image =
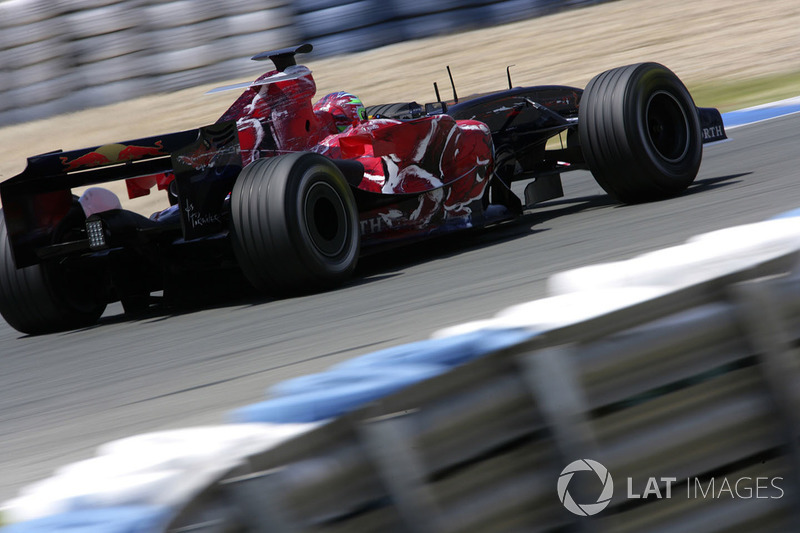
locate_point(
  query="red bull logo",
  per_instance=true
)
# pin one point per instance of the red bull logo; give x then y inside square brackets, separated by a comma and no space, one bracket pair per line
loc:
[109,154]
[199,159]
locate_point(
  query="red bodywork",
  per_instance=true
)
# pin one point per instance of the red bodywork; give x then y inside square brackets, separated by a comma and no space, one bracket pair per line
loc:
[437,167]
[420,176]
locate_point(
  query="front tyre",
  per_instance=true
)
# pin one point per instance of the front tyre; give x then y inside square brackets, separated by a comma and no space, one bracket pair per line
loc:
[45,298]
[294,224]
[640,133]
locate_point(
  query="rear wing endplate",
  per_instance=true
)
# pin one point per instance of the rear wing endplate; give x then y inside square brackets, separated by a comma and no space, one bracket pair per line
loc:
[203,162]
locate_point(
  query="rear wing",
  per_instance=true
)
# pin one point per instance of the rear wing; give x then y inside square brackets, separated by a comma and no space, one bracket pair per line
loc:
[203,163]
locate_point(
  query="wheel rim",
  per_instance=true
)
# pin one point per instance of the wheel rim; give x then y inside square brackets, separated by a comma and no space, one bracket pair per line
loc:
[667,126]
[326,219]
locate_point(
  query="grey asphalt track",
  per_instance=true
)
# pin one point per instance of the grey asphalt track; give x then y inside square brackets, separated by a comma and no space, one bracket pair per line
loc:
[62,395]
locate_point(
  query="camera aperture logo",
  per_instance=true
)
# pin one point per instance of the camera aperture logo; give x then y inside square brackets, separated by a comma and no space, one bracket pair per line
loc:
[743,487]
[585,509]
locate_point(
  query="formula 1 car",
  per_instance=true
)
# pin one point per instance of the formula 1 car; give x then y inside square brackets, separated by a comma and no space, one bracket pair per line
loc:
[291,193]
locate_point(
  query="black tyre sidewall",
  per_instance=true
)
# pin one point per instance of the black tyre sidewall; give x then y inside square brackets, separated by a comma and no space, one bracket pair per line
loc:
[646,83]
[614,136]
[397,111]
[308,176]
[272,238]
[42,298]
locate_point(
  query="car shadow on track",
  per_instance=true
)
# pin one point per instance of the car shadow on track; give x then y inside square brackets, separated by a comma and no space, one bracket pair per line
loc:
[234,291]
[379,265]
[707,184]
[390,263]
[553,209]
[549,210]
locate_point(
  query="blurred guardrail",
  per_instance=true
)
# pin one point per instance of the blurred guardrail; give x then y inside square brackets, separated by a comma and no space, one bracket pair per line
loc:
[73,54]
[686,371]
[62,56]
[337,27]
[675,370]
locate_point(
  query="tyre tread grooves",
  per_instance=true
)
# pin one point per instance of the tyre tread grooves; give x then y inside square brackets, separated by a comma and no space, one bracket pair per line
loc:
[610,131]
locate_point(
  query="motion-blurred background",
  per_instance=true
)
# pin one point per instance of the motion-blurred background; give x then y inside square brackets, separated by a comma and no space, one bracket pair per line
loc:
[64,55]
[65,396]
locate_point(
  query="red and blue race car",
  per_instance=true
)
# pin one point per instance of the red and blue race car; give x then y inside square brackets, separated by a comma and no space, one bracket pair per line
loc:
[291,192]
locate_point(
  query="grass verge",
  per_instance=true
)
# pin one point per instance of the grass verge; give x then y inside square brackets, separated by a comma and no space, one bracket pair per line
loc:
[730,95]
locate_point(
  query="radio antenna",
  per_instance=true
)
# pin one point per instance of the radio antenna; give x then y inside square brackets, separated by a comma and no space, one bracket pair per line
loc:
[436,90]
[508,74]
[453,84]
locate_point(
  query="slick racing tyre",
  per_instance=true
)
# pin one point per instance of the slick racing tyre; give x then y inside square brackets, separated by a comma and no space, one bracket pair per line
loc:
[294,224]
[639,133]
[44,298]
[406,111]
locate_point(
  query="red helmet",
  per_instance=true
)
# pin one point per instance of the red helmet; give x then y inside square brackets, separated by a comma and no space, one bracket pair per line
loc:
[346,109]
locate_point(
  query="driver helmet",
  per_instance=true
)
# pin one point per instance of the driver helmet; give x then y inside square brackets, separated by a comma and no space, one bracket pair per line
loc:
[346,109]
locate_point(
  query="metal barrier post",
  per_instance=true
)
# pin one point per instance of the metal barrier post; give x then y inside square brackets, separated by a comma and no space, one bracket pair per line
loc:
[387,443]
[767,329]
[258,495]
[555,384]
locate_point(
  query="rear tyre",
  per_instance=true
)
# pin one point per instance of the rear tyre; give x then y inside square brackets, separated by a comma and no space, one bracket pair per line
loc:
[639,133]
[406,111]
[294,224]
[44,298]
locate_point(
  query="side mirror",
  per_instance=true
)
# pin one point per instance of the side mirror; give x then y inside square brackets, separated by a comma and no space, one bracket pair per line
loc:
[436,108]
